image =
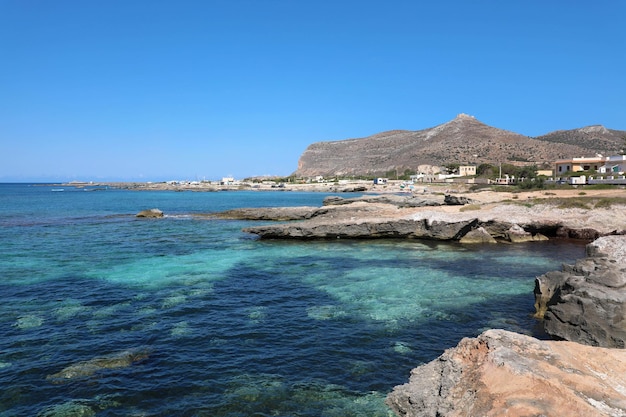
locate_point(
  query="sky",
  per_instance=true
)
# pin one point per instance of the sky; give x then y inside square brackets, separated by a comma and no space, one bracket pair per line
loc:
[154,90]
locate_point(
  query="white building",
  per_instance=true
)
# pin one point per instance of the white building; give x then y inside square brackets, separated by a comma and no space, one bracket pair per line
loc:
[613,165]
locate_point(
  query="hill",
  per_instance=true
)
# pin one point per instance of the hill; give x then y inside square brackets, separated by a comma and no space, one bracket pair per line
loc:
[462,140]
[597,138]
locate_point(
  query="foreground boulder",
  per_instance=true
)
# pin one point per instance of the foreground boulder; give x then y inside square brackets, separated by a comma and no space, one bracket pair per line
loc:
[501,373]
[586,302]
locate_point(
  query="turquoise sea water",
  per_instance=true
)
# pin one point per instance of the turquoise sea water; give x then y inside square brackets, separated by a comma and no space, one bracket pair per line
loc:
[104,314]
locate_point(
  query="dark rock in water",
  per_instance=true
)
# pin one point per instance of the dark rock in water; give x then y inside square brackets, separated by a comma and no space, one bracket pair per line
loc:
[84,369]
[152,213]
[585,302]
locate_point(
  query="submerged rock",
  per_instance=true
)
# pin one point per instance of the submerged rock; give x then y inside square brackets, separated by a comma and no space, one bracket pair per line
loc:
[585,302]
[69,409]
[84,369]
[78,408]
[501,373]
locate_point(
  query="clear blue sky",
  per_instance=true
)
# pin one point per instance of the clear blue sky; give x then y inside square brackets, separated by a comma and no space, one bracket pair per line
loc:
[184,89]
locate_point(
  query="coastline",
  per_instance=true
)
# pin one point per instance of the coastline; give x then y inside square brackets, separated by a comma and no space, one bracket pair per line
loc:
[392,187]
[522,209]
[582,305]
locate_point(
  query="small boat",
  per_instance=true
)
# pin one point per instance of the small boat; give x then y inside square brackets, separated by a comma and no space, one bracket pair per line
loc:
[58,189]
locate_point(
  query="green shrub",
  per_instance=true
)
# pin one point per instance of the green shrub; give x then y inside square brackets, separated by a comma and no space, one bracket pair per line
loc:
[608,202]
[565,203]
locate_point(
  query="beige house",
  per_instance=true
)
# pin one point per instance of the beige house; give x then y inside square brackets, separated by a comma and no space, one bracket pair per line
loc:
[578,165]
[467,170]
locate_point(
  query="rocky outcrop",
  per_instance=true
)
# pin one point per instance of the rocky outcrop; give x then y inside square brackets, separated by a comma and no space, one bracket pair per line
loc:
[517,234]
[478,235]
[355,229]
[364,224]
[414,217]
[501,373]
[151,213]
[268,213]
[586,302]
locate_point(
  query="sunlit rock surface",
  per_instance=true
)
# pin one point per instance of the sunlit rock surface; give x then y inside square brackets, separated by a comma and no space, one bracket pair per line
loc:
[501,373]
[415,217]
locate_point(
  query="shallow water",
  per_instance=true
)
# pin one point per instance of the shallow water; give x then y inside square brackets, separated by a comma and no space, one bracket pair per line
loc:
[106,314]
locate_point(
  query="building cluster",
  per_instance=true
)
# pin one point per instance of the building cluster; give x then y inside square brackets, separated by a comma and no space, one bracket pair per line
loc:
[596,170]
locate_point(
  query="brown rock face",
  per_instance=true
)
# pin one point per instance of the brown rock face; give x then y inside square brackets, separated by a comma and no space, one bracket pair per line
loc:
[501,373]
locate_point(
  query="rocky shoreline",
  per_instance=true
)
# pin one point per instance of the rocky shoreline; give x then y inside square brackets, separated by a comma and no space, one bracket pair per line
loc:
[582,373]
[443,217]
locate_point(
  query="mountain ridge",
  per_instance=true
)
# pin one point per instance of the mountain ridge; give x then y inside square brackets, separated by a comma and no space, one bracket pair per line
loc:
[463,140]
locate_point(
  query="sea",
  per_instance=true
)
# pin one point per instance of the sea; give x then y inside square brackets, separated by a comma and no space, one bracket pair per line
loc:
[106,314]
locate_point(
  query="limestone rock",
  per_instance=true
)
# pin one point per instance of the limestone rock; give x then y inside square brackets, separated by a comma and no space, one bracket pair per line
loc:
[355,229]
[392,199]
[501,373]
[586,302]
[478,235]
[269,213]
[151,213]
[517,234]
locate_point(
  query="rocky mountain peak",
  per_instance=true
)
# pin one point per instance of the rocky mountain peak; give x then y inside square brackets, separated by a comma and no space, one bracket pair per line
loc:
[463,116]
[595,129]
